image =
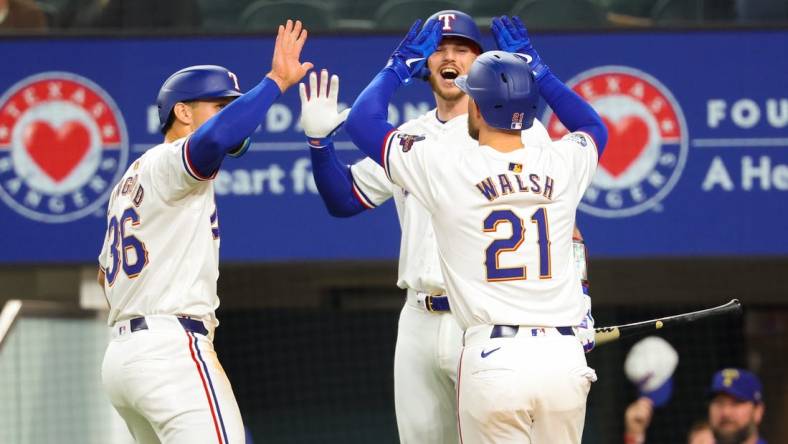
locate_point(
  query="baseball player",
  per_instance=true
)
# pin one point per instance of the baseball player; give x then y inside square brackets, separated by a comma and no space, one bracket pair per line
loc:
[503,216]
[159,262]
[429,339]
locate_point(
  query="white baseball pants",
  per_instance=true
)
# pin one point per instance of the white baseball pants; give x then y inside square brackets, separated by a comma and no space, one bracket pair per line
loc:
[169,386]
[425,373]
[527,389]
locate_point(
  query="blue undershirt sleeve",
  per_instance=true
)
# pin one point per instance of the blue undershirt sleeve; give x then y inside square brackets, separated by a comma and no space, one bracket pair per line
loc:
[367,123]
[574,112]
[334,182]
[230,127]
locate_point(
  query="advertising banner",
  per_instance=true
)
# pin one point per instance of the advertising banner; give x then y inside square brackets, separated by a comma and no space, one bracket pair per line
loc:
[696,164]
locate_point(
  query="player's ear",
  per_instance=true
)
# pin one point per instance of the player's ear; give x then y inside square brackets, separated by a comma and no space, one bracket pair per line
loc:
[182,113]
[758,412]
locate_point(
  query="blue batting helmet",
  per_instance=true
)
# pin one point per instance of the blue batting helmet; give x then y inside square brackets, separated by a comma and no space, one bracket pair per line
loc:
[458,24]
[195,83]
[504,89]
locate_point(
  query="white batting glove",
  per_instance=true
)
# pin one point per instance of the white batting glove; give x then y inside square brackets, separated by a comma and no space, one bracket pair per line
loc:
[585,331]
[319,116]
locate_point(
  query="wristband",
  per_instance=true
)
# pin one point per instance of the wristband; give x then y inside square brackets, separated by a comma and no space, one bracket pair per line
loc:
[402,72]
[318,142]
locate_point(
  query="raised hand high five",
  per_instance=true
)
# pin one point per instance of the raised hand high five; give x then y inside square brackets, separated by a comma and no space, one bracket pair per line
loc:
[511,36]
[286,67]
[412,53]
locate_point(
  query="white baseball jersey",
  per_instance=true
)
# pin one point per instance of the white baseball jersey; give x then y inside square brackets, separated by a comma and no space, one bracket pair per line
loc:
[503,223]
[419,266]
[161,250]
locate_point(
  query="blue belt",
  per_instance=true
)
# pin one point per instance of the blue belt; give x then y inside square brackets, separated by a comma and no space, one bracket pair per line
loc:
[191,325]
[437,303]
[510,331]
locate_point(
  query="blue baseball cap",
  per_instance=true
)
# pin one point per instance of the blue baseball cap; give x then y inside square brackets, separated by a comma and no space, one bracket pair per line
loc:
[739,383]
[661,395]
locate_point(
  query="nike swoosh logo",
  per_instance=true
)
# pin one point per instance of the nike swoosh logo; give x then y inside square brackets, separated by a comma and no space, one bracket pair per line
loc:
[486,354]
[412,61]
[527,58]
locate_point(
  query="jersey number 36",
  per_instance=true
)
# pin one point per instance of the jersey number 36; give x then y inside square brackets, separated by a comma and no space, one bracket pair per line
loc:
[134,256]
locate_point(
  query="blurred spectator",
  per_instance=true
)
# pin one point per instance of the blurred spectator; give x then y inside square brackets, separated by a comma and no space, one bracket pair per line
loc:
[142,14]
[637,418]
[700,433]
[735,412]
[736,407]
[21,14]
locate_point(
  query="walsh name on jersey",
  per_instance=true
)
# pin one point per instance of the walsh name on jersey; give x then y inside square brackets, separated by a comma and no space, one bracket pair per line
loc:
[509,183]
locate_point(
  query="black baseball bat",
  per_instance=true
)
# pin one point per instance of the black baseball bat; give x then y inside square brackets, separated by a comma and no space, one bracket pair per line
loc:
[603,335]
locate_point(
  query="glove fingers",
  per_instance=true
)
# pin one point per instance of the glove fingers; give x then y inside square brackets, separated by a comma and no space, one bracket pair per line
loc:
[414,30]
[422,36]
[509,25]
[497,32]
[333,90]
[495,25]
[437,32]
[323,84]
[429,33]
[520,27]
[312,85]
[505,33]
[518,23]
[302,93]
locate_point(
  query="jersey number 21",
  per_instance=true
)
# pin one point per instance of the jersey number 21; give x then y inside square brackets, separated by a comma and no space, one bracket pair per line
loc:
[494,271]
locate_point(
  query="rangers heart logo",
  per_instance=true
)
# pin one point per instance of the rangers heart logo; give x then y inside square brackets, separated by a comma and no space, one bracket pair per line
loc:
[647,140]
[63,145]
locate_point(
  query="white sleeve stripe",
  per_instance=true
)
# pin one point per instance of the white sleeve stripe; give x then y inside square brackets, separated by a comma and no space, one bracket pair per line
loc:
[387,151]
[187,164]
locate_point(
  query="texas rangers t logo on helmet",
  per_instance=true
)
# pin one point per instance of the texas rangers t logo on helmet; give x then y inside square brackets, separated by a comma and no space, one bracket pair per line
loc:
[63,144]
[447,20]
[647,140]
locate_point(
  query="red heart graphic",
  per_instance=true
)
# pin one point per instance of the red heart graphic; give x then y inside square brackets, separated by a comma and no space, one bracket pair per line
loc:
[57,151]
[627,138]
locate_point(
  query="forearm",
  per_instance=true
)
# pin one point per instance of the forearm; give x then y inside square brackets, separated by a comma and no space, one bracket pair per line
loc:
[574,112]
[367,123]
[229,128]
[334,182]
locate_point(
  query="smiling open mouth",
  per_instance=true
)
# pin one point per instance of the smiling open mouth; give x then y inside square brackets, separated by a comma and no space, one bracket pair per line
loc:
[449,73]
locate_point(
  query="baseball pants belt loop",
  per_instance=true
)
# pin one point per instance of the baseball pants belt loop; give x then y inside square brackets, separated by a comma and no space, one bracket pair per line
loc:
[189,324]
